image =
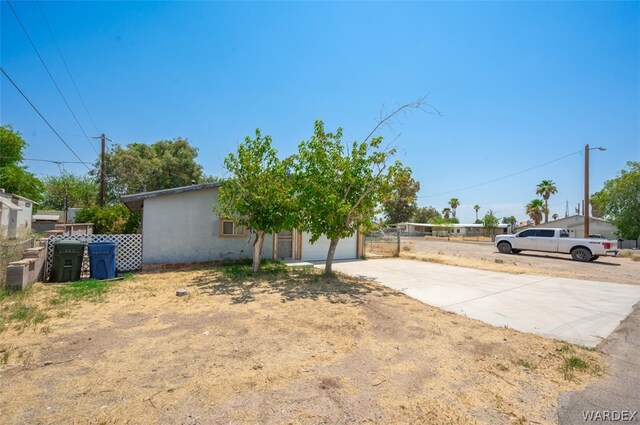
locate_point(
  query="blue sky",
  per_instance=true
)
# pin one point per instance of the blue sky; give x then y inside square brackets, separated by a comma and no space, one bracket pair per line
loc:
[518,84]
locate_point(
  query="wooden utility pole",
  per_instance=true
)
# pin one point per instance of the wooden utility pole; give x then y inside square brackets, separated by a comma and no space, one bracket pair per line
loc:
[102,182]
[585,210]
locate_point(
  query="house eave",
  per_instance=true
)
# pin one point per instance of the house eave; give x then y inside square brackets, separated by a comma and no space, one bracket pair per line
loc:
[135,201]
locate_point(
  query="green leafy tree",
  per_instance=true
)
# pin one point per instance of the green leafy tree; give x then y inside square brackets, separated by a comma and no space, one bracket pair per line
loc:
[619,201]
[401,205]
[259,192]
[476,207]
[425,215]
[536,209]
[555,216]
[446,212]
[70,191]
[546,188]
[490,222]
[444,220]
[339,187]
[112,219]
[15,178]
[140,167]
[454,203]
[511,221]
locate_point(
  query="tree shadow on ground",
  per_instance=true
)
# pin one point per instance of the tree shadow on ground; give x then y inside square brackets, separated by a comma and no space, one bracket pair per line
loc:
[238,282]
[554,257]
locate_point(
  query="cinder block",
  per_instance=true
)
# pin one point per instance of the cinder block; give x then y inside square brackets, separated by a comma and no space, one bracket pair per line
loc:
[18,274]
[33,252]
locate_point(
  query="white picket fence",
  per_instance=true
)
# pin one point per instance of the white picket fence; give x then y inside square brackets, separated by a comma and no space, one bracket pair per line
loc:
[128,250]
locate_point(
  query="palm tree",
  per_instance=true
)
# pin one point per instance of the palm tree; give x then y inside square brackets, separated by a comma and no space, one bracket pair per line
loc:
[546,188]
[454,204]
[477,208]
[445,213]
[555,216]
[536,209]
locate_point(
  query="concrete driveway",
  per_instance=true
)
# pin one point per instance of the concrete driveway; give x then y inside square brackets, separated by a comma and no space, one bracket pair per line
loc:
[577,311]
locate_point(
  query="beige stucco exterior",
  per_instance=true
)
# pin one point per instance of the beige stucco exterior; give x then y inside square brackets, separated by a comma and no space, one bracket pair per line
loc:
[183,227]
[575,225]
[15,216]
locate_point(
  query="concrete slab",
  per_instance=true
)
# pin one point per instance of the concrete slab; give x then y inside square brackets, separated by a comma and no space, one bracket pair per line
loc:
[577,311]
[299,264]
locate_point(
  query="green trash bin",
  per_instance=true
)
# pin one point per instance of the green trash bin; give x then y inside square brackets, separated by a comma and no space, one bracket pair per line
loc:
[67,261]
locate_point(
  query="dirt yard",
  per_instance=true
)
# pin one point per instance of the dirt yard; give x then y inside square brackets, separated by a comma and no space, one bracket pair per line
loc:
[287,347]
[485,256]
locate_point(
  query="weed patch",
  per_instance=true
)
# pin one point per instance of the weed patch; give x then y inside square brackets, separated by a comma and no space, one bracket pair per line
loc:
[572,363]
[85,290]
[526,363]
[23,315]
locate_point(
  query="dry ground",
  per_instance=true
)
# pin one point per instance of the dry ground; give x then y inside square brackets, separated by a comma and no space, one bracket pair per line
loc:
[485,256]
[287,347]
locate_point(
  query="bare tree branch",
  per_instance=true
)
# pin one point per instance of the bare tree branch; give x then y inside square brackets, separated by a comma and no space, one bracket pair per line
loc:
[420,104]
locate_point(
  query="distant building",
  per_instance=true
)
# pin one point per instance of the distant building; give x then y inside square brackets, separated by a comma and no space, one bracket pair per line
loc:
[428,229]
[15,215]
[575,225]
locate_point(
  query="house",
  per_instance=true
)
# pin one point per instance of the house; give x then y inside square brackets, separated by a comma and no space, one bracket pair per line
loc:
[15,215]
[180,225]
[575,225]
[450,229]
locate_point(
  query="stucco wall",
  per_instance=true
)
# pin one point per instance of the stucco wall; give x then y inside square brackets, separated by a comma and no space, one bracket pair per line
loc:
[24,218]
[575,225]
[183,227]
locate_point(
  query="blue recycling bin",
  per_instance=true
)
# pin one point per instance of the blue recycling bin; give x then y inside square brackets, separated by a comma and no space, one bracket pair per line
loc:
[102,260]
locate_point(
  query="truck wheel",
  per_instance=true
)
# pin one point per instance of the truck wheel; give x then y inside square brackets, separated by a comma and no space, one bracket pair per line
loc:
[504,247]
[594,258]
[581,254]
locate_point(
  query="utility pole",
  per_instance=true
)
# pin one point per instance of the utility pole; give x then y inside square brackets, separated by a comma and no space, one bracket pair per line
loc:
[585,205]
[103,140]
[102,182]
[585,210]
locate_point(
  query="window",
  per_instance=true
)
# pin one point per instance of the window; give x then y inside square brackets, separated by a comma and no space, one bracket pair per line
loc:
[546,233]
[564,234]
[230,229]
[527,233]
[457,230]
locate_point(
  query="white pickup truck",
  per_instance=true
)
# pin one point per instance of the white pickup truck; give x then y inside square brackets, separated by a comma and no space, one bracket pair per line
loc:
[556,240]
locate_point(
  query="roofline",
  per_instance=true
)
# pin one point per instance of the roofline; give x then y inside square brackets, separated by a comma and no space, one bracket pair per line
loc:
[134,201]
[451,224]
[579,215]
[13,195]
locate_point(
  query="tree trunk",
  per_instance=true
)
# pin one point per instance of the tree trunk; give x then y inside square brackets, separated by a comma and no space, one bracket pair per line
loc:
[546,212]
[330,254]
[257,250]
[397,242]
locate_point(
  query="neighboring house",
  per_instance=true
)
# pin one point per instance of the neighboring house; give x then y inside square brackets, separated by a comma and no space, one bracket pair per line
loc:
[47,220]
[450,229]
[575,225]
[15,215]
[523,224]
[179,225]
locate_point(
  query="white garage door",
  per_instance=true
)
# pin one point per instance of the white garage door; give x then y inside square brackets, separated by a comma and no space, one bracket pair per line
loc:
[346,249]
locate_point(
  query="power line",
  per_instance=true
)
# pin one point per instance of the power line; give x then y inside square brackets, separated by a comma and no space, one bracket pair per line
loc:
[500,178]
[43,118]
[50,75]
[52,161]
[67,67]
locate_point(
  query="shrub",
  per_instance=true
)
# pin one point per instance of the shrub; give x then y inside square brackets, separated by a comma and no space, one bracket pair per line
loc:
[113,219]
